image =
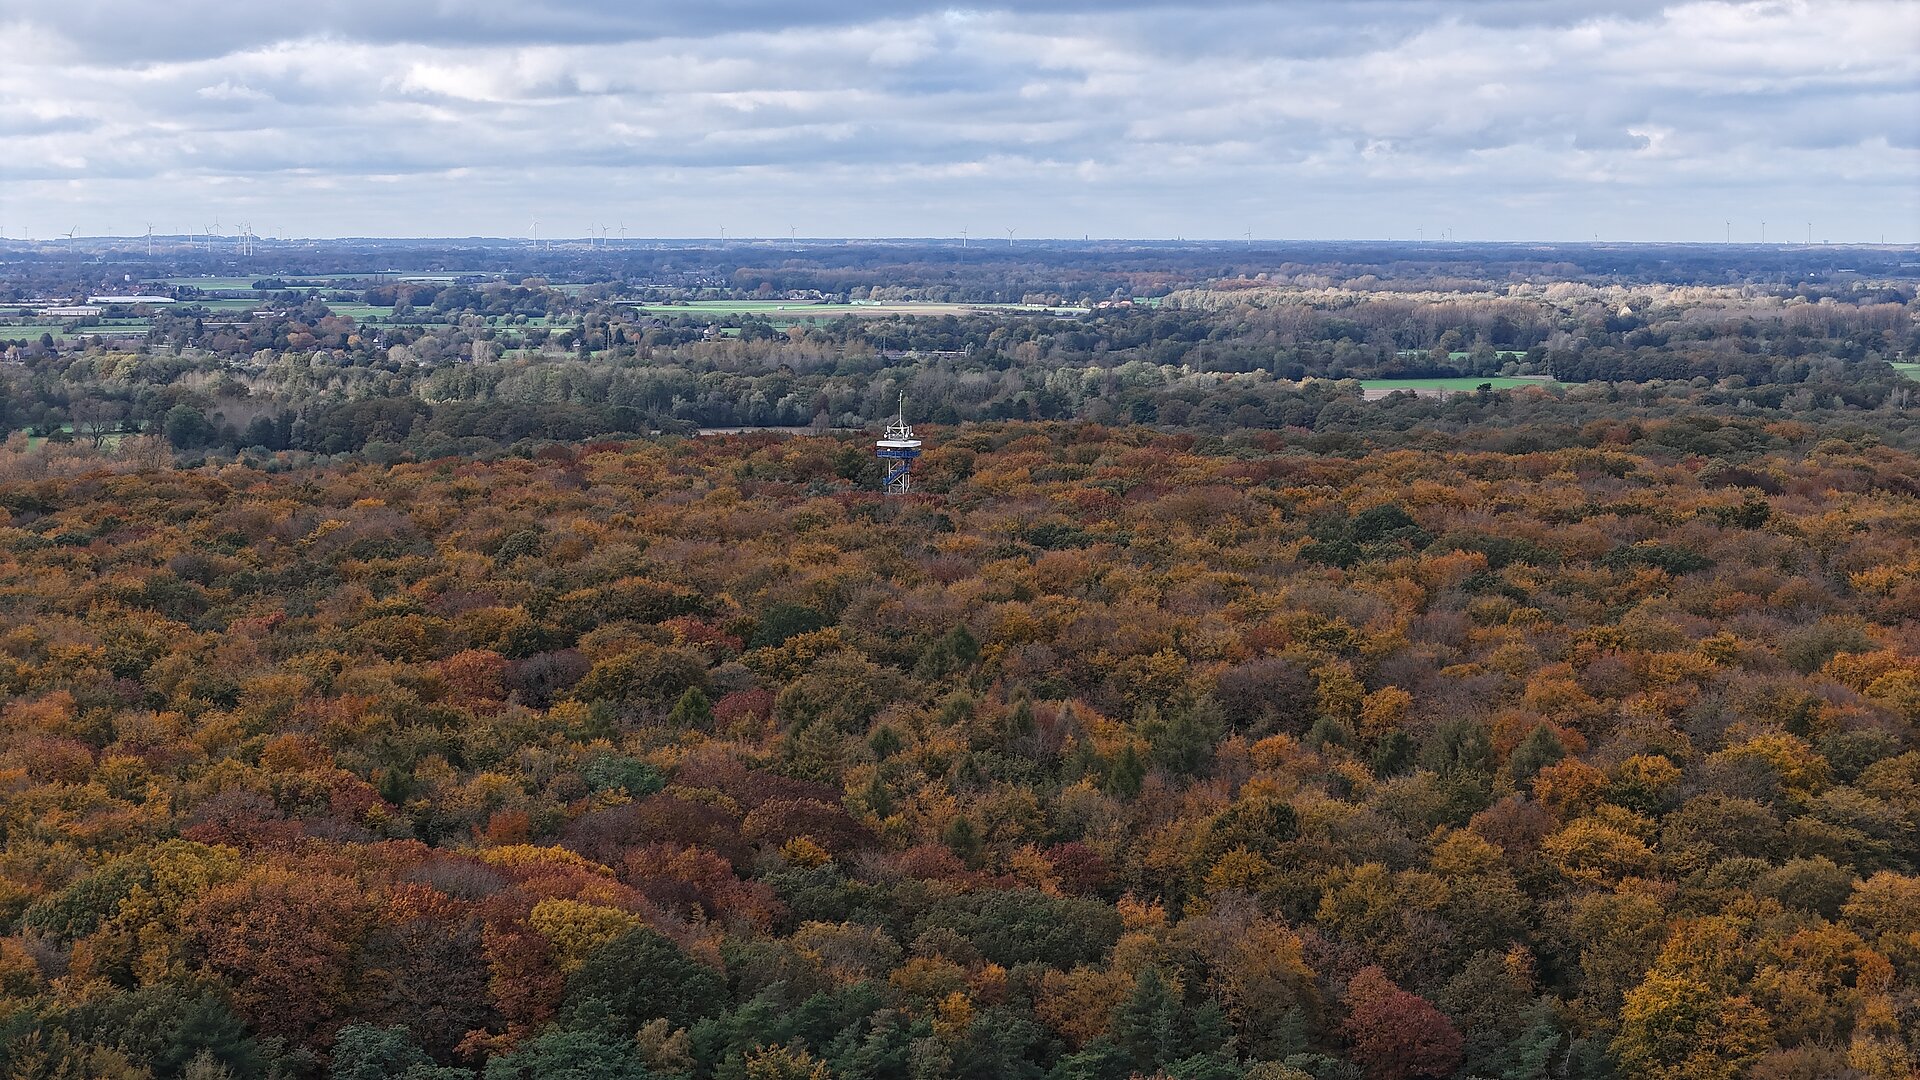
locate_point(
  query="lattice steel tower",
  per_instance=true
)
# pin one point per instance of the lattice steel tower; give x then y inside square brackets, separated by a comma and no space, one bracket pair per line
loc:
[898,448]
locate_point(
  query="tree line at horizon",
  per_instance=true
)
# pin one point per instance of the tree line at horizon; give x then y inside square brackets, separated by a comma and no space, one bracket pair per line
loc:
[1268,352]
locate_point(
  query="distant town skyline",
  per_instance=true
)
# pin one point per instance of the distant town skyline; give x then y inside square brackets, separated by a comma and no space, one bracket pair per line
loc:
[1558,121]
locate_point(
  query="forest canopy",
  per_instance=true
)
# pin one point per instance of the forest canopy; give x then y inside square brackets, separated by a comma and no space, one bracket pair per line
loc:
[1124,753]
[1346,662]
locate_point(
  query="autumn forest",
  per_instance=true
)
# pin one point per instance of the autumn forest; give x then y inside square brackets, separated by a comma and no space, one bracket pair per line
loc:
[422,699]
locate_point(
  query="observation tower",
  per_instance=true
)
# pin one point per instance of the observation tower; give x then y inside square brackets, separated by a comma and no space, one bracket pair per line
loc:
[898,448]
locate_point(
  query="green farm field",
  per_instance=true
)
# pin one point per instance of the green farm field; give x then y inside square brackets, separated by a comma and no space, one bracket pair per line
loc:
[359,311]
[229,303]
[212,284]
[350,309]
[1911,371]
[30,331]
[383,317]
[228,284]
[799,309]
[796,308]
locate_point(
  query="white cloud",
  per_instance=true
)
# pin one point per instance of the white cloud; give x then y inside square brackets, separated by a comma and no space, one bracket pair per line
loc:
[228,90]
[1518,120]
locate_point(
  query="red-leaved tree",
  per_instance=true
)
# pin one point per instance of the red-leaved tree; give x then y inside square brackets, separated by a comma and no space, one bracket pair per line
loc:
[1397,1035]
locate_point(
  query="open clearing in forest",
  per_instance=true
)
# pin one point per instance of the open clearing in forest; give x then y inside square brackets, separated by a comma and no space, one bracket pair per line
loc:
[1459,354]
[1375,389]
[109,441]
[1466,382]
[1911,371]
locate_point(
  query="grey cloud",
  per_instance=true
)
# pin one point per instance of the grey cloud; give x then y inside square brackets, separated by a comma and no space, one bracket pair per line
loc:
[201,29]
[1137,110]
[21,124]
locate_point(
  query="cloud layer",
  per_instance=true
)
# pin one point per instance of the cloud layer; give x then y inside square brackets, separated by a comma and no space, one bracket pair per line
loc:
[1369,119]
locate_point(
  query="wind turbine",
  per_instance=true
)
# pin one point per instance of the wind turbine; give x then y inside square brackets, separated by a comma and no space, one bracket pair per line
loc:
[149,239]
[534,233]
[963,238]
[1009,237]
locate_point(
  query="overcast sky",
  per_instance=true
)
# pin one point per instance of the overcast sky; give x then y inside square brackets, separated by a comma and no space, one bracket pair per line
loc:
[1369,119]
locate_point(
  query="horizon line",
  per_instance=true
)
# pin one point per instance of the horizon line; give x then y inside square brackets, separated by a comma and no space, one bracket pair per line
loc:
[597,243]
